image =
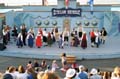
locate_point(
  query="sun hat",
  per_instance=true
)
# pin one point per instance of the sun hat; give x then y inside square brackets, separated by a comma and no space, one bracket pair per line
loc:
[93,71]
[70,72]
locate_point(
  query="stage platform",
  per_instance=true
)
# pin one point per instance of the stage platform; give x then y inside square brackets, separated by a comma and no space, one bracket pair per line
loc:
[111,49]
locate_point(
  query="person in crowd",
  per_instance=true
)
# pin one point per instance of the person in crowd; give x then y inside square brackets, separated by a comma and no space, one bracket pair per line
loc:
[84,41]
[48,69]
[40,74]
[94,74]
[29,65]
[71,74]
[43,64]
[15,32]
[7,76]
[30,39]
[31,74]
[54,66]
[24,33]
[20,40]
[38,40]
[103,35]
[50,75]
[106,75]
[116,73]
[92,36]
[66,36]
[21,73]
[82,73]
[36,64]
[64,61]
[11,71]
[61,41]
[74,66]
[97,38]
[5,32]
[49,39]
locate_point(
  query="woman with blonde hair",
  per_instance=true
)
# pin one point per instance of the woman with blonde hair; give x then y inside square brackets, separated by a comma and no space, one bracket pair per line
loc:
[50,76]
[116,73]
[21,74]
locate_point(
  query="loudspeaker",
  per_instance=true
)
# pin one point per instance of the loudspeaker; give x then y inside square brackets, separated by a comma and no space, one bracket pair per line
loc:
[2,47]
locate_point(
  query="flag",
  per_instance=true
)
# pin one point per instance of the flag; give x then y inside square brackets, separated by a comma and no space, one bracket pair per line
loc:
[66,3]
[91,2]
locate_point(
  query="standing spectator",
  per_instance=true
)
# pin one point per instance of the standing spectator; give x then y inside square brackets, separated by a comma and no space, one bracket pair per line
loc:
[63,60]
[54,66]
[103,35]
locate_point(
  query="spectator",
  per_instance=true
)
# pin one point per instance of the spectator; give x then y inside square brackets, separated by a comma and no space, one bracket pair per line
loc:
[94,74]
[50,76]
[70,74]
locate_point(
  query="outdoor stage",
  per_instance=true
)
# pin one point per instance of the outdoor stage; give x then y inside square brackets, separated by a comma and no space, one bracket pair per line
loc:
[111,49]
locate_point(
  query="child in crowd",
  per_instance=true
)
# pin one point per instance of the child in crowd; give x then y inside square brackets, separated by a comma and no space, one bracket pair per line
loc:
[54,66]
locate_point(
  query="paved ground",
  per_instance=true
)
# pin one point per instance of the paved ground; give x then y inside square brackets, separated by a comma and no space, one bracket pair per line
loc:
[111,49]
[102,64]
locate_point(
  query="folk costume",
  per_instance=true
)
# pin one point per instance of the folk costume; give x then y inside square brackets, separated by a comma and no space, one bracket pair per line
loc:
[38,40]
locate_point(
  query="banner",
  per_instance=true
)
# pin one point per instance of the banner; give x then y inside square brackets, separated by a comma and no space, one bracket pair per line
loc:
[69,12]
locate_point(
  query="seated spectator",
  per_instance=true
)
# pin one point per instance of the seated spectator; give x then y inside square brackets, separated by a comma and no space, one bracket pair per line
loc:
[29,65]
[7,76]
[50,76]
[82,74]
[94,74]
[71,74]
[40,74]
[116,73]
[43,64]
